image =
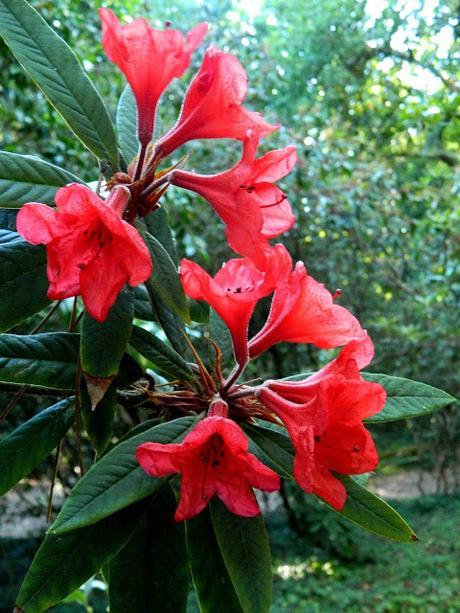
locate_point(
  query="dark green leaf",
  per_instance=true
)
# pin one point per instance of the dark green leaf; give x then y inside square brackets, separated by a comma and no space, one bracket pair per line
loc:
[127,125]
[151,573]
[210,576]
[272,447]
[166,359]
[99,423]
[220,334]
[43,360]
[142,305]
[117,480]
[54,67]
[63,563]
[371,512]
[24,448]
[407,398]
[158,225]
[245,550]
[165,280]
[171,324]
[199,311]
[23,281]
[8,219]
[24,178]
[104,344]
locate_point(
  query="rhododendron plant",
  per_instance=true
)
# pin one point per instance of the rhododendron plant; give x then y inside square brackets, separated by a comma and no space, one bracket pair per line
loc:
[175,407]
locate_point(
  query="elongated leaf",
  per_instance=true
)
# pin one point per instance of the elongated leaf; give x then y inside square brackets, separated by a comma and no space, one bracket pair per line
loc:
[104,344]
[171,324]
[407,398]
[273,447]
[371,512]
[127,124]
[166,359]
[157,552]
[24,178]
[8,219]
[210,576]
[23,282]
[158,225]
[165,279]
[99,423]
[54,67]
[63,563]
[245,549]
[220,334]
[142,305]
[117,480]
[362,506]
[24,448]
[43,360]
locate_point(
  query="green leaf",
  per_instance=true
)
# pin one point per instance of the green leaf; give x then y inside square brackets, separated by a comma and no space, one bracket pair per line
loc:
[99,423]
[171,324]
[142,305]
[407,398]
[127,124]
[371,512]
[24,178]
[117,480]
[103,344]
[158,225]
[8,219]
[23,281]
[210,576]
[245,550]
[63,563]
[55,69]
[165,280]
[220,334]
[362,506]
[151,573]
[43,360]
[272,447]
[166,359]
[24,448]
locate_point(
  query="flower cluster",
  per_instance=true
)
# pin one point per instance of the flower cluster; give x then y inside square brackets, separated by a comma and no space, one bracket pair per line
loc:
[93,250]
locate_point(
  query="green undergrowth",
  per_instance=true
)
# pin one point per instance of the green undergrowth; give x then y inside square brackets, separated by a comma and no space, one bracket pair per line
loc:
[414,578]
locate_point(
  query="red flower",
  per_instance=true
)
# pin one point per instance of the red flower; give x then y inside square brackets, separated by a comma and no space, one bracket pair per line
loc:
[213,459]
[302,311]
[246,199]
[351,359]
[150,59]
[233,293]
[212,105]
[327,432]
[90,250]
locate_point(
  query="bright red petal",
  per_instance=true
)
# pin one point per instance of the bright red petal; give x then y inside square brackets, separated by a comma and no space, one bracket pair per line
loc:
[37,223]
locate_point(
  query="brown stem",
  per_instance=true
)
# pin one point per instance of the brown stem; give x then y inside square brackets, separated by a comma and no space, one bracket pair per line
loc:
[140,161]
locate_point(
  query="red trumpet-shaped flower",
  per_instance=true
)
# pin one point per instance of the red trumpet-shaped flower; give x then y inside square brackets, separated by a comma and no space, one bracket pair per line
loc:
[90,250]
[351,359]
[150,59]
[302,311]
[246,199]
[233,293]
[213,105]
[327,432]
[213,459]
